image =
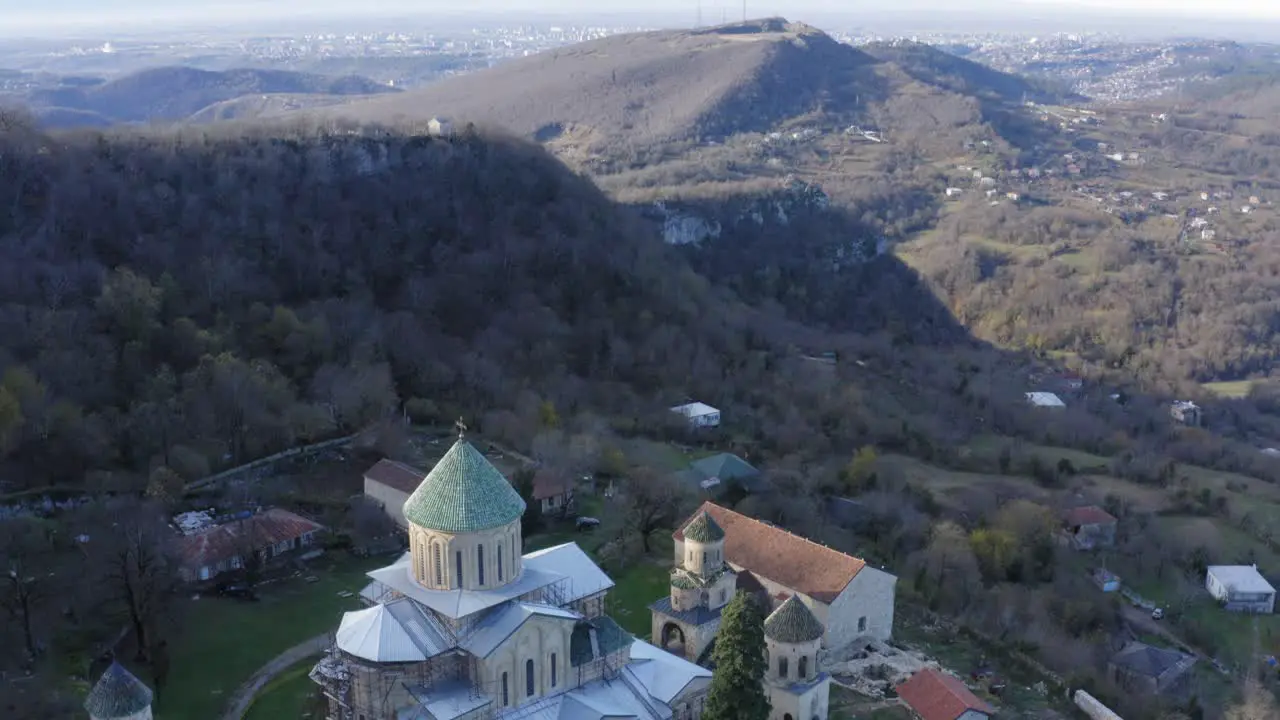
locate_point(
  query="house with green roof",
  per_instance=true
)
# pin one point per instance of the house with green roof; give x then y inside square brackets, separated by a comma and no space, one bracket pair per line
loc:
[466,625]
[716,472]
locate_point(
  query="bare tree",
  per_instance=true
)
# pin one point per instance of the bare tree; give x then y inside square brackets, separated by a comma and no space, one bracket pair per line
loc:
[652,500]
[28,579]
[139,577]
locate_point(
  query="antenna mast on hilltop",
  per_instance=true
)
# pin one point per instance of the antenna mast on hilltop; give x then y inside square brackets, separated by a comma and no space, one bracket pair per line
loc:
[744,10]
[698,22]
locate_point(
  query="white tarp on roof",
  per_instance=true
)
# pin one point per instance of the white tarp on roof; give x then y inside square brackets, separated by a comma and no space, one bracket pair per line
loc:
[585,577]
[495,629]
[374,634]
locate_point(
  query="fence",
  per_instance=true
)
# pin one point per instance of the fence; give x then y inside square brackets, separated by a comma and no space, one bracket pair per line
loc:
[270,459]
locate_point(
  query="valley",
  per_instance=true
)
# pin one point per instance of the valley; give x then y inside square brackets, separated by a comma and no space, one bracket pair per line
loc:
[873,263]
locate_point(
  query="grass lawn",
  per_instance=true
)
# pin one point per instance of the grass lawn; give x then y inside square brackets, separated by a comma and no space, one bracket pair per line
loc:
[1230,389]
[637,587]
[290,695]
[224,642]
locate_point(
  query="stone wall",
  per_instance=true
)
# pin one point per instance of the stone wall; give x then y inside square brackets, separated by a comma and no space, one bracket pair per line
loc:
[871,595]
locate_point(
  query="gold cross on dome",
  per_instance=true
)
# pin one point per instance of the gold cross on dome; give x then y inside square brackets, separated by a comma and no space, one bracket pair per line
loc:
[461,427]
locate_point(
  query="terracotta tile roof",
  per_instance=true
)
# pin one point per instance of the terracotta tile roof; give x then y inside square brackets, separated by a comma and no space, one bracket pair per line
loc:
[1088,515]
[550,484]
[226,541]
[775,554]
[934,695]
[404,478]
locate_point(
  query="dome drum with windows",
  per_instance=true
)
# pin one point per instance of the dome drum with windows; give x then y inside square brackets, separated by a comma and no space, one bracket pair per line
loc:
[464,524]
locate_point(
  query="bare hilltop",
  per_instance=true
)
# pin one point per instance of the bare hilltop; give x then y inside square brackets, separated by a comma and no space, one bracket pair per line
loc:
[654,87]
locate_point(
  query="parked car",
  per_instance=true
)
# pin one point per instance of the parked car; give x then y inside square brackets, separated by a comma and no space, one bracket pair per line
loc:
[1157,614]
[238,591]
[586,523]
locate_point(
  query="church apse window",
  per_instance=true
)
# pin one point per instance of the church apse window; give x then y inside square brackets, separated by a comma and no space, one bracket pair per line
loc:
[802,670]
[480,564]
[458,562]
[506,698]
[528,677]
[782,667]
[553,669]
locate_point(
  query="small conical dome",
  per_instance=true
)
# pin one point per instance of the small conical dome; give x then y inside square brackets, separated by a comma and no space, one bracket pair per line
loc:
[793,623]
[463,493]
[118,694]
[703,529]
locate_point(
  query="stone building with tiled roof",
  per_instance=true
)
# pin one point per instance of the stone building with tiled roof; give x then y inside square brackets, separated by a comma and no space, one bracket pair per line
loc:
[466,627]
[389,484]
[794,681]
[118,695]
[850,599]
[271,533]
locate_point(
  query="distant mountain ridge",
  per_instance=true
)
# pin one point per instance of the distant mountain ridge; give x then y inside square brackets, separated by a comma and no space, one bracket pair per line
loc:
[934,66]
[653,87]
[175,93]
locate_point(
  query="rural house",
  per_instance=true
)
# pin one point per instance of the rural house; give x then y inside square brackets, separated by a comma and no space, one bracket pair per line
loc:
[934,695]
[1186,412]
[1240,588]
[1089,527]
[389,483]
[723,468]
[699,414]
[1155,671]
[440,127]
[1045,400]
[552,491]
[850,599]
[205,551]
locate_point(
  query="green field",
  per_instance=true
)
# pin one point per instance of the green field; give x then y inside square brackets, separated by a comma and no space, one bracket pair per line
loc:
[225,641]
[290,695]
[1229,389]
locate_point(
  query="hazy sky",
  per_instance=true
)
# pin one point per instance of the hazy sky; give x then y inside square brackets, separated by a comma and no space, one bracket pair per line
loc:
[19,16]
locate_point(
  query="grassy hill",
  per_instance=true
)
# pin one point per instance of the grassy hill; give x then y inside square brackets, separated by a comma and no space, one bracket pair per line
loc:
[654,87]
[176,93]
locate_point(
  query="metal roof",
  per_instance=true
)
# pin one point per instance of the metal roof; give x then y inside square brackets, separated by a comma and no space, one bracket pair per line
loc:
[461,603]
[585,577]
[398,632]
[464,492]
[117,694]
[694,409]
[1241,578]
[1045,399]
[663,675]
[495,629]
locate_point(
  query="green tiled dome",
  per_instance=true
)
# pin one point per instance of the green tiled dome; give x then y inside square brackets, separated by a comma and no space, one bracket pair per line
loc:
[464,492]
[793,623]
[118,694]
[703,529]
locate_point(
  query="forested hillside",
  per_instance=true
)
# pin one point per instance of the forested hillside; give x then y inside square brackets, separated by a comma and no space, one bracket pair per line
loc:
[196,299]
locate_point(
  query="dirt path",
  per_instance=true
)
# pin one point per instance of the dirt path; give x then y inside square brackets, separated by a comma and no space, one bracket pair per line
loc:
[243,696]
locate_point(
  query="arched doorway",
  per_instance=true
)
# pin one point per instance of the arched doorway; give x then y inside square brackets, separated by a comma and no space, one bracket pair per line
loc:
[673,639]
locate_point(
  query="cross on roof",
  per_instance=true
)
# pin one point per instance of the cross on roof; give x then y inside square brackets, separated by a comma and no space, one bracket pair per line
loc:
[461,427]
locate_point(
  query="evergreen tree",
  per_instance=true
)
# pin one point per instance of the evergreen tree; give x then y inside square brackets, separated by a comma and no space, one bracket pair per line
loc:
[737,688]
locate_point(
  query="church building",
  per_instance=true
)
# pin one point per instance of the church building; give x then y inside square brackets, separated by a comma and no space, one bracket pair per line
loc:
[817,598]
[465,626]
